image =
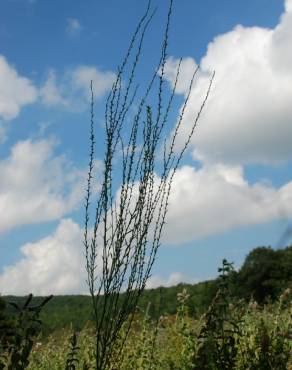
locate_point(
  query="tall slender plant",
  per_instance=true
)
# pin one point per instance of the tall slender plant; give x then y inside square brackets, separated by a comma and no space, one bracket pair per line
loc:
[132,203]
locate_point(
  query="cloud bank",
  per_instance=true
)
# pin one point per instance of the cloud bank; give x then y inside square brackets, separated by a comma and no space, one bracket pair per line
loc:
[52,265]
[247,118]
[217,198]
[36,185]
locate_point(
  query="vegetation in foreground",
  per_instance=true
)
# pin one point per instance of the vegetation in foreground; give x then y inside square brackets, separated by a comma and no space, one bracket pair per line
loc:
[225,337]
[234,332]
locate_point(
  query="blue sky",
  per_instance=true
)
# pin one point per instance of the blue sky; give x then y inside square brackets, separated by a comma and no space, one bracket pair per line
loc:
[233,191]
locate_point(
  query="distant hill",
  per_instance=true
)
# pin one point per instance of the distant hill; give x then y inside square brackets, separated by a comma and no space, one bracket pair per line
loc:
[65,310]
[265,273]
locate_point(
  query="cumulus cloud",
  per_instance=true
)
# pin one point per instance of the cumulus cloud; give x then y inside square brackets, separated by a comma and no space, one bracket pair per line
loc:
[50,92]
[187,68]
[56,265]
[217,198]
[73,26]
[102,81]
[72,91]
[16,91]
[53,265]
[247,118]
[37,186]
[203,201]
[288,5]
[279,53]
[173,279]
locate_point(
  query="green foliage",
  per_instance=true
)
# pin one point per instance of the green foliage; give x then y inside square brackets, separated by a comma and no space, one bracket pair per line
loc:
[265,273]
[266,341]
[185,331]
[60,312]
[173,332]
[19,336]
[72,359]
[6,331]
[66,311]
[53,352]
[247,337]
[141,349]
[220,329]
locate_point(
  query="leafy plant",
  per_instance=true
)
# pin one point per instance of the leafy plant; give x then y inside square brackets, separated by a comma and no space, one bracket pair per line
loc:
[21,335]
[72,357]
[221,329]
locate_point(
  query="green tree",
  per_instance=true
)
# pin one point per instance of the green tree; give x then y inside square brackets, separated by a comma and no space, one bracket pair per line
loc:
[265,273]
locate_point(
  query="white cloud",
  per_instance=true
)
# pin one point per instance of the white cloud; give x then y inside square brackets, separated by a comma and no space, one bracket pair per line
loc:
[217,198]
[37,186]
[187,68]
[16,91]
[247,118]
[173,279]
[56,265]
[50,93]
[206,201]
[279,53]
[288,5]
[53,265]
[73,26]
[72,91]
[102,81]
